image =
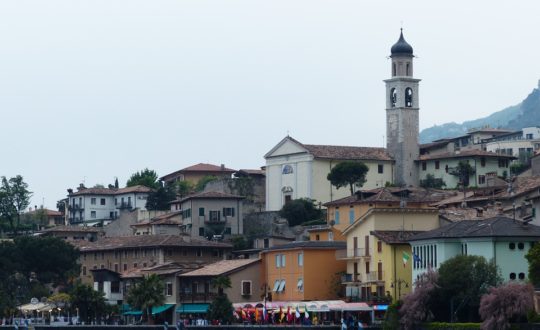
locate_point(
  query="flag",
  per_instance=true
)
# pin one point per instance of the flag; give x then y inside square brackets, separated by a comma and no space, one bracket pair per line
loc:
[406,258]
[244,316]
[297,314]
[281,315]
[289,314]
[265,314]
[416,258]
[306,314]
[256,315]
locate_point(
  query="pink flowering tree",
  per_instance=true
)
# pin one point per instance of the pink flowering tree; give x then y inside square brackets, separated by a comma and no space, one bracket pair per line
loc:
[415,308]
[505,303]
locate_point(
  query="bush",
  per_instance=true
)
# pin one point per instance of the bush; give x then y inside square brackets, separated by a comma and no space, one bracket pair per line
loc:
[451,326]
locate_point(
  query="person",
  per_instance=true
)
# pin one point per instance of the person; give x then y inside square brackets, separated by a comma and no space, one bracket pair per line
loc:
[343,325]
[315,320]
[360,325]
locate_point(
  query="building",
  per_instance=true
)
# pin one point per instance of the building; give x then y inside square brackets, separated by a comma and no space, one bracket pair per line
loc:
[74,233]
[163,224]
[295,170]
[45,217]
[194,173]
[91,206]
[306,270]
[520,144]
[131,253]
[500,239]
[402,114]
[372,255]
[196,287]
[210,213]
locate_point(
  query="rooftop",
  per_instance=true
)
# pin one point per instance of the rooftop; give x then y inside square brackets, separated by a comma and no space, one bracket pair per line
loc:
[221,267]
[113,243]
[208,195]
[394,236]
[492,227]
[463,154]
[200,168]
[309,245]
[74,229]
[111,191]
[394,194]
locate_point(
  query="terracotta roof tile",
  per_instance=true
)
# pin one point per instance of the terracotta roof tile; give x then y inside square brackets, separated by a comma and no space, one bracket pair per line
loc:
[208,195]
[50,213]
[394,194]
[114,191]
[73,229]
[347,152]
[394,236]
[221,267]
[112,243]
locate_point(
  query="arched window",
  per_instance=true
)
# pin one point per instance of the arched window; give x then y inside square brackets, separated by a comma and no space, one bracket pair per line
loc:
[393,97]
[287,169]
[393,69]
[408,97]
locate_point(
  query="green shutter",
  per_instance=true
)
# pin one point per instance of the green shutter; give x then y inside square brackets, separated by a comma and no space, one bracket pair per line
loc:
[201,211]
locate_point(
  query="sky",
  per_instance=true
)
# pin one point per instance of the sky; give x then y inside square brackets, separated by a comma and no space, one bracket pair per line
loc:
[98,89]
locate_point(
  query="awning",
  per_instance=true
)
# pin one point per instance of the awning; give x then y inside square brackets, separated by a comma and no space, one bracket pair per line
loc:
[155,310]
[35,307]
[351,307]
[193,308]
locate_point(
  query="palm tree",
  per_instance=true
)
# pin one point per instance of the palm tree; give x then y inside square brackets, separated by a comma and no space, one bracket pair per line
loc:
[221,282]
[147,293]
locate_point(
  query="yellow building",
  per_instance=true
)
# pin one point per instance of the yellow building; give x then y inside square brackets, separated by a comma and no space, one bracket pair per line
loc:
[307,270]
[376,247]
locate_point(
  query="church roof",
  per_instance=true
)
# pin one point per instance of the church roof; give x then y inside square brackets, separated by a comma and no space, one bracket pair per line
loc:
[401,47]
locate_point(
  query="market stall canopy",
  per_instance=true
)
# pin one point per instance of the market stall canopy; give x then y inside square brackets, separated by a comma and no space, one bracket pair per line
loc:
[39,307]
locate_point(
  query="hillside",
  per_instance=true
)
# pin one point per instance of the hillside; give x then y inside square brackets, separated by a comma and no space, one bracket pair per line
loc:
[525,114]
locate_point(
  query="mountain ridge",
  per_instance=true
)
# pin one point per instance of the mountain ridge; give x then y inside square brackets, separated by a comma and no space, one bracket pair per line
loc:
[523,114]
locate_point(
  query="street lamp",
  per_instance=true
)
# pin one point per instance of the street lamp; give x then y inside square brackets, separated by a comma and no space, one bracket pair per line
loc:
[399,283]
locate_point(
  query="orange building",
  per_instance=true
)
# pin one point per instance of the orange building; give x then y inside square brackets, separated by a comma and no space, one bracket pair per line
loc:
[306,270]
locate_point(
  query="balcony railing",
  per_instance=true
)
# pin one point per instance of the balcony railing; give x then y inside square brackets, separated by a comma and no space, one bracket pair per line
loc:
[75,207]
[196,297]
[363,277]
[353,254]
[124,205]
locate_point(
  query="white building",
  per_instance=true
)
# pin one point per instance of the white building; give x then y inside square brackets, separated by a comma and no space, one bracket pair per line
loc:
[89,206]
[295,170]
[521,144]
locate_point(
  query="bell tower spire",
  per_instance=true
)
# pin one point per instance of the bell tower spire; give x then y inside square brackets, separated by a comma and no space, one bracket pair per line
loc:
[402,114]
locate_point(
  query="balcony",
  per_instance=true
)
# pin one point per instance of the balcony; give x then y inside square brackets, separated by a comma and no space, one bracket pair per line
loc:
[351,254]
[124,205]
[371,277]
[75,207]
[196,297]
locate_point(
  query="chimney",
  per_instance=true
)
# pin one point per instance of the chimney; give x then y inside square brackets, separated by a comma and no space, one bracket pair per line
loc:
[479,212]
[223,167]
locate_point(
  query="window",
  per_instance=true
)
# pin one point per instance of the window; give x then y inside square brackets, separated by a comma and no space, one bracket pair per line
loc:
[134,265]
[266,243]
[317,237]
[528,136]
[301,259]
[116,201]
[287,169]
[424,166]
[246,288]
[512,276]
[201,231]
[201,211]
[135,253]
[380,168]
[125,267]
[437,164]
[93,214]
[116,268]
[92,201]
[379,246]
[351,216]
[102,201]
[521,276]
[278,260]
[282,260]
[186,214]
[115,287]
[228,231]
[512,246]
[483,161]
[521,246]
[214,216]
[169,289]
[199,253]
[228,211]
[95,255]
[408,97]
[336,216]
[281,286]
[300,285]
[102,255]
[481,179]
[276,285]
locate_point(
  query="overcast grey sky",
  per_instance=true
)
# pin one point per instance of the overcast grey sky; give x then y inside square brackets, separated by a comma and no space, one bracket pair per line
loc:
[92,90]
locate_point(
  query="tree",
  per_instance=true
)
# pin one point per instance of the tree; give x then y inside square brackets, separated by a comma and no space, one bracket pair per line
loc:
[415,308]
[431,182]
[221,307]
[348,173]
[145,294]
[159,199]
[507,303]
[89,302]
[533,257]
[299,211]
[14,198]
[183,188]
[463,171]
[204,181]
[146,177]
[462,281]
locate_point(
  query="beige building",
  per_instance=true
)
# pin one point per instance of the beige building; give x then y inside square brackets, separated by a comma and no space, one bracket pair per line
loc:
[164,224]
[210,213]
[295,170]
[196,172]
[126,254]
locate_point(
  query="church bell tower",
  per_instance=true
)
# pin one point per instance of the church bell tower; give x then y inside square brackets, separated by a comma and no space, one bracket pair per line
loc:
[402,117]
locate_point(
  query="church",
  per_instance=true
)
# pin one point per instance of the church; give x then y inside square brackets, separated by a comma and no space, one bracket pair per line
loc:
[297,170]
